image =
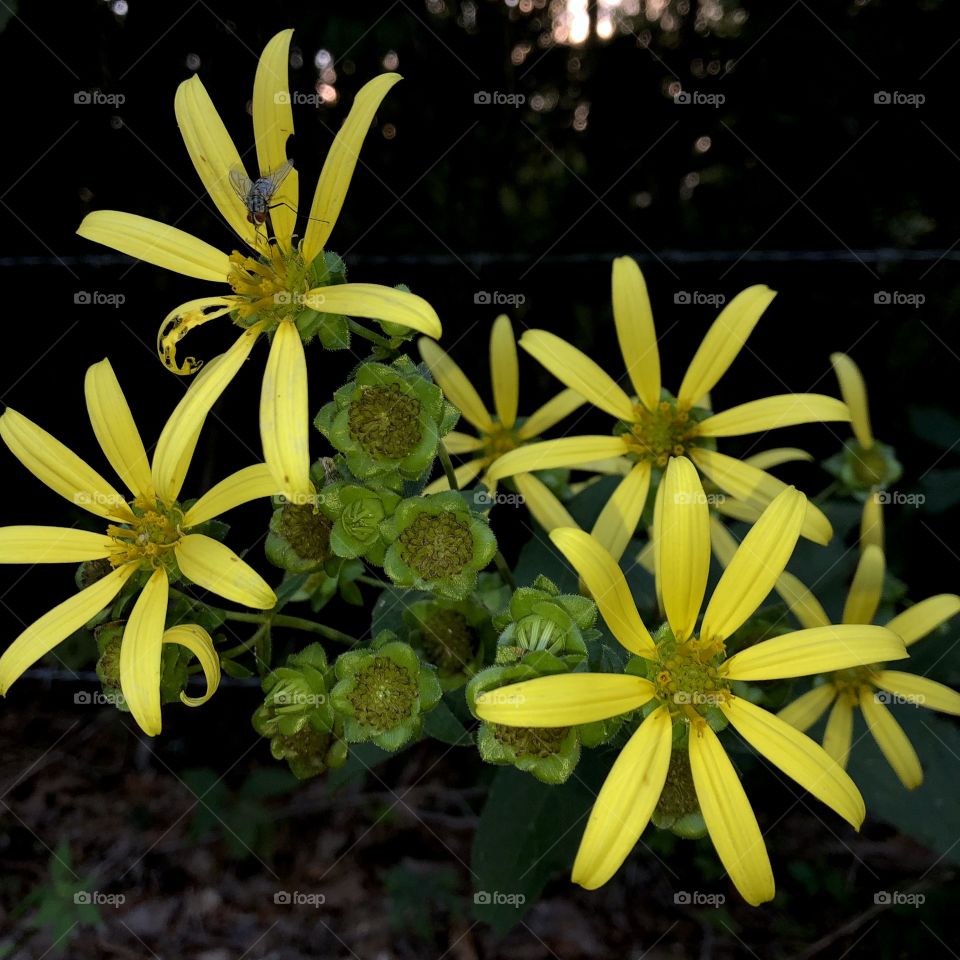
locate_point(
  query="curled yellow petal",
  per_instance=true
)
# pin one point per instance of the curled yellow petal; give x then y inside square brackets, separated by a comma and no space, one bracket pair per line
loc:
[376,302]
[891,740]
[635,330]
[285,415]
[608,587]
[179,322]
[562,452]
[60,468]
[577,371]
[817,650]
[771,413]
[340,163]
[156,243]
[809,707]
[215,567]
[550,414]
[797,756]
[57,624]
[854,392]
[140,653]
[213,154]
[199,643]
[724,340]
[864,596]
[729,817]
[564,699]
[504,370]
[924,617]
[754,569]
[625,803]
[115,428]
[245,485]
[30,544]
[455,385]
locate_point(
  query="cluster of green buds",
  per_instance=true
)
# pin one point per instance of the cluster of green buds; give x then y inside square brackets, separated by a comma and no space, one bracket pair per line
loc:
[383,692]
[297,716]
[388,421]
[541,632]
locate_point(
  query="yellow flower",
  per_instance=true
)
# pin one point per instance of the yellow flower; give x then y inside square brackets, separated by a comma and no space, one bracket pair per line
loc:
[499,433]
[277,281]
[148,534]
[689,680]
[869,686]
[654,426]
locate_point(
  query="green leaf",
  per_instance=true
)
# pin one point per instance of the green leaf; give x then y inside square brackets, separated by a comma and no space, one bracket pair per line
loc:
[441,724]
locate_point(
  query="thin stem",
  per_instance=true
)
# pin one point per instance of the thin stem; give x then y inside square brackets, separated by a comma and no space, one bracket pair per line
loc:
[504,570]
[294,623]
[362,331]
[448,470]
[373,582]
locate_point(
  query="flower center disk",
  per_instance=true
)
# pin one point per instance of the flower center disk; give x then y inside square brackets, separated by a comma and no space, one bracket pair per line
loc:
[385,422]
[437,546]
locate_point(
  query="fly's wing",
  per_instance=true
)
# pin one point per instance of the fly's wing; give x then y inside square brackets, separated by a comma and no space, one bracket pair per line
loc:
[277,176]
[240,182]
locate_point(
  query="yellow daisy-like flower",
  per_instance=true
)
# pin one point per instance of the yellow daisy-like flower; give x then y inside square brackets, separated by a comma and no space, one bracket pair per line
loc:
[868,687]
[653,425]
[148,533]
[500,432]
[279,282]
[689,678]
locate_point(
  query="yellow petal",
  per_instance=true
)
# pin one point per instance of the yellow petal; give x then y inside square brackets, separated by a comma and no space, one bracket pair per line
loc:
[871,522]
[213,154]
[891,740]
[156,243]
[620,515]
[864,596]
[285,415]
[802,603]
[245,485]
[215,567]
[854,392]
[724,340]
[729,817]
[608,588]
[57,624]
[562,452]
[542,503]
[575,369]
[625,803]
[550,414]
[340,163]
[777,456]
[140,653]
[758,488]
[504,370]
[199,643]
[29,544]
[919,691]
[272,125]
[178,439]
[924,617]
[681,539]
[838,735]
[734,509]
[564,699]
[465,474]
[376,302]
[60,468]
[797,756]
[179,322]
[116,431]
[635,330]
[722,542]
[455,385]
[754,569]
[809,707]
[817,650]
[457,442]
[770,413]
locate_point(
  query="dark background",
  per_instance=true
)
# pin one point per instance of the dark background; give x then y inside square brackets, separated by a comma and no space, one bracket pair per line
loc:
[797,179]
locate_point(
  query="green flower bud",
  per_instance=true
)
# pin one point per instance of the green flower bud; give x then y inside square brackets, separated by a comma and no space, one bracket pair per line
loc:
[437,543]
[678,809]
[543,624]
[387,421]
[451,635]
[548,753]
[357,513]
[861,470]
[383,692]
[299,538]
[297,716]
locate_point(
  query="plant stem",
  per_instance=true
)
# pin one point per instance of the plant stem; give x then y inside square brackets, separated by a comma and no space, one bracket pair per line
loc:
[448,470]
[362,331]
[373,582]
[294,623]
[504,570]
